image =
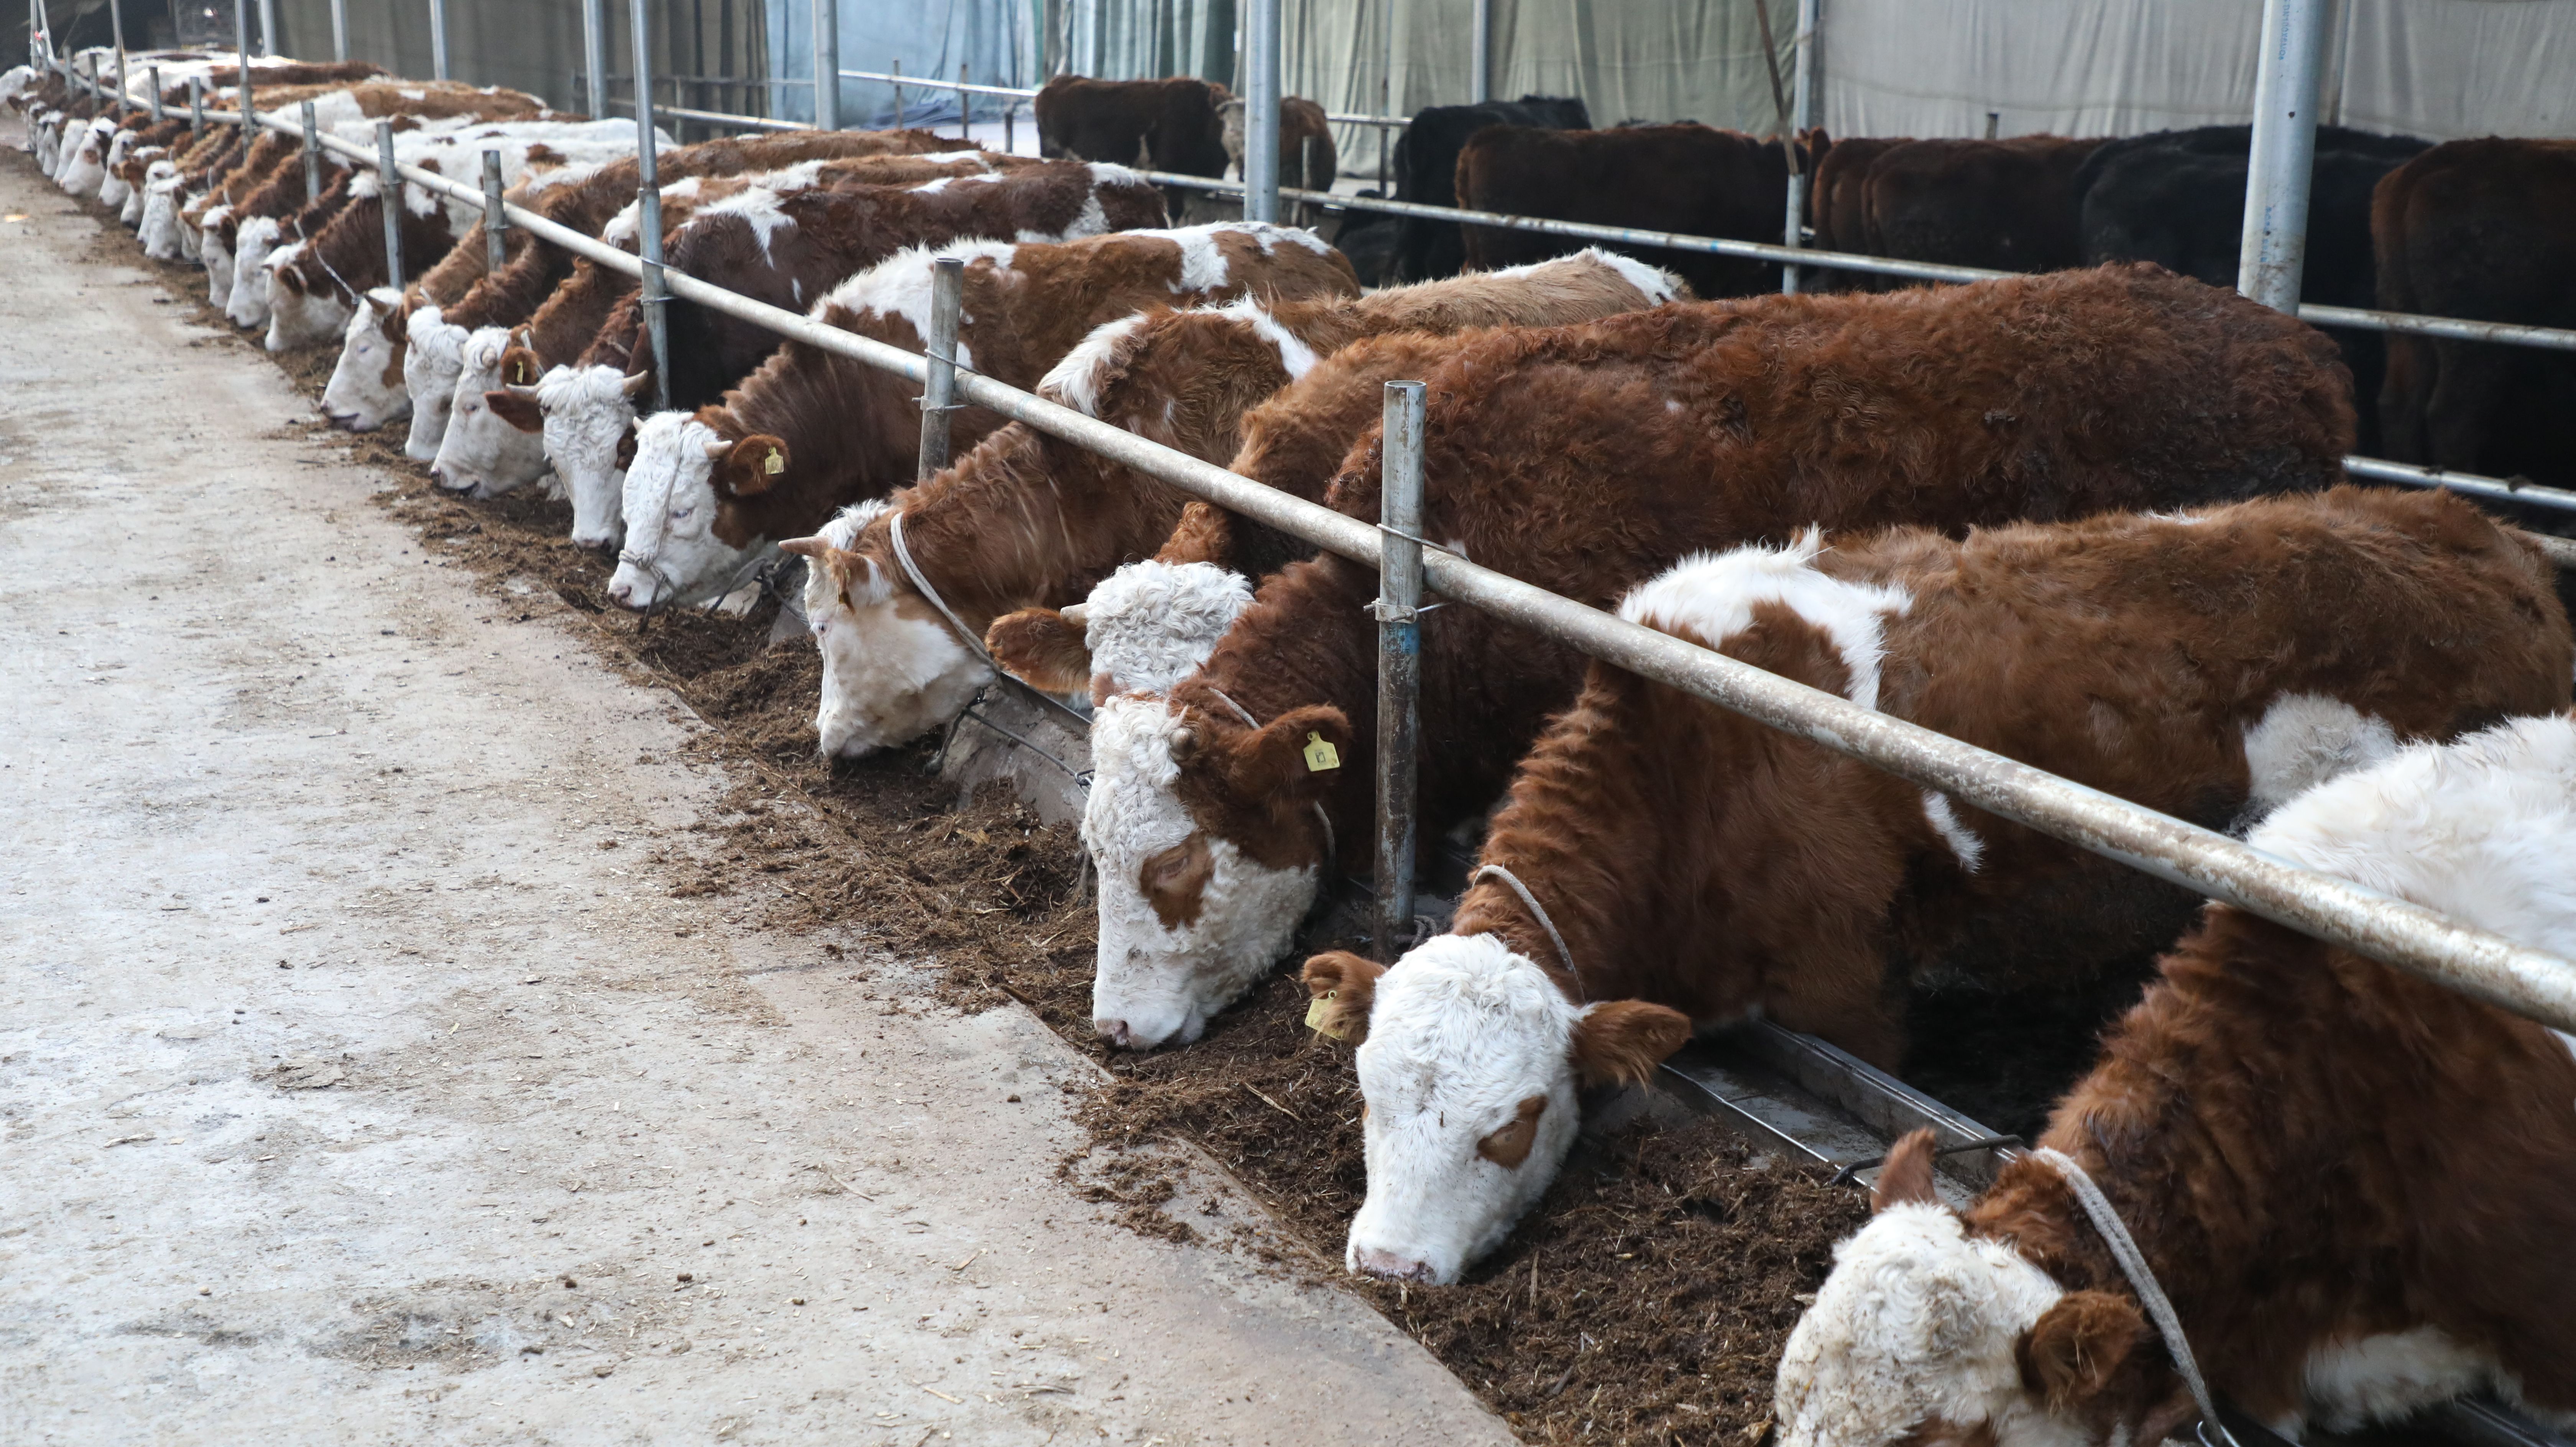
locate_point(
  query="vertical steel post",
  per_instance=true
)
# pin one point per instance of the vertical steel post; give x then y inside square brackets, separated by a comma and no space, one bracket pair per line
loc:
[1802,118]
[241,55]
[965,129]
[268,27]
[655,293]
[116,24]
[1010,127]
[1261,113]
[339,29]
[827,64]
[2272,252]
[594,55]
[1480,53]
[196,106]
[939,387]
[1994,123]
[438,39]
[153,76]
[312,157]
[895,68]
[496,246]
[1399,661]
[389,196]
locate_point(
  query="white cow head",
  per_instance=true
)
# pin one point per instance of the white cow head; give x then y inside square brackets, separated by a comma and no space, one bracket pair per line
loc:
[159,229]
[1201,884]
[672,554]
[253,241]
[1928,1335]
[483,454]
[130,210]
[299,314]
[84,157]
[431,365]
[892,667]
[112,188]
[215,254]
[366,391]
[1470,1062]
[586,414]
[1143,629]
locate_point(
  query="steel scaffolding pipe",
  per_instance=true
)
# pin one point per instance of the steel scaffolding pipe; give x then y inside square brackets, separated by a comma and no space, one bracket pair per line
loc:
[827,65]
[2273,248]
[1802,117]
[652,287]
[1399,664]
[1261,113]
[594,55]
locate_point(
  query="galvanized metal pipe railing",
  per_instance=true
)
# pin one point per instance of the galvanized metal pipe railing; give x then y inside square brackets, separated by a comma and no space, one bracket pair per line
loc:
[1399,662]
[939,379]
[2488,967]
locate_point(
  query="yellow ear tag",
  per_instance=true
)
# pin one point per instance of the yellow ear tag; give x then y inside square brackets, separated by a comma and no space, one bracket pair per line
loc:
[1320,755]
[775,465]
[1317,1013]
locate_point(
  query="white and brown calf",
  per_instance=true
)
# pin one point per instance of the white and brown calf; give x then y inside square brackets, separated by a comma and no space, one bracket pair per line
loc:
[2357,1188]
[366,387]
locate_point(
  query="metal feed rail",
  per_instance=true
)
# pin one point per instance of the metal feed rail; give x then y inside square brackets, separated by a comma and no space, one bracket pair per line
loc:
[2488,967]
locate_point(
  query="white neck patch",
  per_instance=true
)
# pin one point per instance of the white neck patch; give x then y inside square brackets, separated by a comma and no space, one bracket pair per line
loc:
[1075,379]
[1294,354]
[1713,595]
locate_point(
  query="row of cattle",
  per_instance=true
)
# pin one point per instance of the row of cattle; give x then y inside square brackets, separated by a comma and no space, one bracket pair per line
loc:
[2087,519]
[2473,229]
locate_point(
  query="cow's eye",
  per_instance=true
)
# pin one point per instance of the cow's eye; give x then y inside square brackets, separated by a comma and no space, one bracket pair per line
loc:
[681,514]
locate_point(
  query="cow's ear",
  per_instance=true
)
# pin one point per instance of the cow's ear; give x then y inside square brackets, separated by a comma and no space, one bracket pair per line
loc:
[289,278]
[1342,986]
[517,407]
[521,367]
[1044,647]
[1205,534]
[626,448]
[1620,1042]
[2077,1346]
[853,577]
[1905,1177]
[752,466]
[1296,757]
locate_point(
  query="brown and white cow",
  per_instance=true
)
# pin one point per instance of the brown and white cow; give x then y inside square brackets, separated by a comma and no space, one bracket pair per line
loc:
[788,244]
[1701,868]
[2355,1187]
[1307,158]
[1590,458]
[521,293]
[812,431]
[1027,521]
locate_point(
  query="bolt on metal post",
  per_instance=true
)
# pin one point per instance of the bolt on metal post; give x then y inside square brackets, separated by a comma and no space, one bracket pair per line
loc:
[312,157]
[1399,661]
[496,220]
[389,200]
[939,385]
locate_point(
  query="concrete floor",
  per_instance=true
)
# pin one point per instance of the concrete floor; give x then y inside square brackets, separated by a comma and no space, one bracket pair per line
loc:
[361,1082]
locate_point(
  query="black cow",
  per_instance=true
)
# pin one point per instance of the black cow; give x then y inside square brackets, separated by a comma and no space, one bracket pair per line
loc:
[1426,170]
[2177,198]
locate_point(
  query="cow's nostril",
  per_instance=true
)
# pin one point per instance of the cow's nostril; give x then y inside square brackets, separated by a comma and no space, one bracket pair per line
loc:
[1116,1032]
[1392,1267]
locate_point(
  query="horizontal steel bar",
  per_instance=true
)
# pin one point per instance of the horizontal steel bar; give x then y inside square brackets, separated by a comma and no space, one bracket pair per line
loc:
[719,118]
[2380,469]
[932,82]
[2514,334]
[2485,966]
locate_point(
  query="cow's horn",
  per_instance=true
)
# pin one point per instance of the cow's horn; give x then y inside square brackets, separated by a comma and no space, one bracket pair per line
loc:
[639,383]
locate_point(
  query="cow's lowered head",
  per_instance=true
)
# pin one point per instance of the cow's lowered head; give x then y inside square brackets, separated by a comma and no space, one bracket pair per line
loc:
[892,667]
[1470,1056]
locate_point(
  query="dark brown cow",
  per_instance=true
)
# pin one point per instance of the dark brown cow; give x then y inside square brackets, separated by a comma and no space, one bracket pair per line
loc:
[1698,868]
[2484,230]
[1688,178]
[1163,125]
[2354,1186]
[1838,202]
[1307,158]
[1582,458]
[2004,205]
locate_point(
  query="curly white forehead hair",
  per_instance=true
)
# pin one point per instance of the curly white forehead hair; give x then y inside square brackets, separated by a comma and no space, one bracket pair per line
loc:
[1917,1323]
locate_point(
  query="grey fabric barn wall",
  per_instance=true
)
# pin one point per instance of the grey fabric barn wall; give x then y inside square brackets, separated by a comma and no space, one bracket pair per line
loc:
[996,40]
[536,47]
[2444,69]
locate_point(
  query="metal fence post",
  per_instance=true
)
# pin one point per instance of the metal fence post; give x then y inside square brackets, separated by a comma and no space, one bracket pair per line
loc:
[116,24]
[1480,53]
[339,29]
[1399,660]
[389,196]
[827,64]
[158,111]
[1802,118]
[312,157]
[1010,128]
[241,56]
[1261,113]
[268,27]
[196,106]
[895,69]
[594,54]
[654,292]
[496,246]
[438,39]
[965,116]
[2272,251]
[939,384]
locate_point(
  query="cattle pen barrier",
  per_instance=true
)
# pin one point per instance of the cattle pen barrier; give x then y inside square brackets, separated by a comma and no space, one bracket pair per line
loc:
[2488,967]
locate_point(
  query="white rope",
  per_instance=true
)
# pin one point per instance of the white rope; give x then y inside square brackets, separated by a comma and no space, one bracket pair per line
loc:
[2115,1233]
[1332,850]
[1549,925]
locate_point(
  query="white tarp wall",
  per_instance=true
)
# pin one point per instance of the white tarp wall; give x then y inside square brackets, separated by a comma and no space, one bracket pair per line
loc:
[996,40]
[2442,69]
